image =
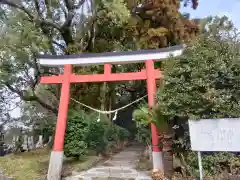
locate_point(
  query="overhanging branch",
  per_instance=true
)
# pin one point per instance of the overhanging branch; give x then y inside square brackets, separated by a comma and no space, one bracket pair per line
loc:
[31,17]
[59,45]
[17,6]
[80,3]
[69,4]
[37,7]
[34,97]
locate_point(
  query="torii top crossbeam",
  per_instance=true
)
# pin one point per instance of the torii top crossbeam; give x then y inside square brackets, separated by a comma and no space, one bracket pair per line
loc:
[149,74]
[111,57]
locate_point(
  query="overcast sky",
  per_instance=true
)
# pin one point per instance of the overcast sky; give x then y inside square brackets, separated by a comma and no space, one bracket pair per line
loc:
[206,8]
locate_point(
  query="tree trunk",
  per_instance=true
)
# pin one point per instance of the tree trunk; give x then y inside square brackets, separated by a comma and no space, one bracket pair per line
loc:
[112,99]
[111,94]
[103,90]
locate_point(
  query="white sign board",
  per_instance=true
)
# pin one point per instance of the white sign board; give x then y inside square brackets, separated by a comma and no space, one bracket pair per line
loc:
[215,134]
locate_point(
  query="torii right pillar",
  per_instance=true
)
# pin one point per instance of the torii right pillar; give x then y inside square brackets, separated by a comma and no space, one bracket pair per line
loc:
[157,155]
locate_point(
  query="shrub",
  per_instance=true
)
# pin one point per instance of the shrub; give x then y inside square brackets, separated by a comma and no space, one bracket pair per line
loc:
[122,134]
[114,132]
[85,133]
[143,133]
[94,136]
[204,82]
[110,132]
[77,127]
[216,163]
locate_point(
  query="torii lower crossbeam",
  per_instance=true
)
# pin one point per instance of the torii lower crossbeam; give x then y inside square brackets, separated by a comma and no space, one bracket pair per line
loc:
[73,78]
[150,74]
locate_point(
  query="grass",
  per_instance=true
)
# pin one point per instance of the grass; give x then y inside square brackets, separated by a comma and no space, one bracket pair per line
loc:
[33,165]
[27,165]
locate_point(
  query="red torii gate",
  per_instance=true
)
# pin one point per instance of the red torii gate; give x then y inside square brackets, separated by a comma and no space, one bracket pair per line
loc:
[150,74]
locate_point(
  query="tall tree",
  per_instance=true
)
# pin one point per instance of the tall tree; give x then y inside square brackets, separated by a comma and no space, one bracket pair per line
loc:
[216,26]
[56,27]
[204,82]
[159,23]
[68,27]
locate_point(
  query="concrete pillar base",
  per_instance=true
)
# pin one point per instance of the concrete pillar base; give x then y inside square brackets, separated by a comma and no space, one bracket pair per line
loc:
[157,158]
[55,165]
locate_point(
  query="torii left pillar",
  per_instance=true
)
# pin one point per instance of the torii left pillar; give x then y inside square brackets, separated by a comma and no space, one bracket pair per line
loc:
[56,159]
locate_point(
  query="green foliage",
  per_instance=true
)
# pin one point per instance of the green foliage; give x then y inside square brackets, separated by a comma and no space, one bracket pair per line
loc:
[85,132]
[75,148]
[94,136]
[181,141]
[123,134]
[204,82]
[143,119]
[99,26]
[77,127]
[143,134]
[113,10]
[145,116]
[216,163]
[214,25]
[142,115]
[113,132]
[100,134]
[156,29]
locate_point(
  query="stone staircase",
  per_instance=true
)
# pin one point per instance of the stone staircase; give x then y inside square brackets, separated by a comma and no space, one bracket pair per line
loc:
[119,167]
[118,173]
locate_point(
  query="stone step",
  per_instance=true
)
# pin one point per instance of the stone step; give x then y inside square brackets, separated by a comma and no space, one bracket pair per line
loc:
[119,167]
[141,178]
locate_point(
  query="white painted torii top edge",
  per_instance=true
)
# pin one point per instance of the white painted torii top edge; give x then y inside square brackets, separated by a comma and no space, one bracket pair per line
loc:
[87,61]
